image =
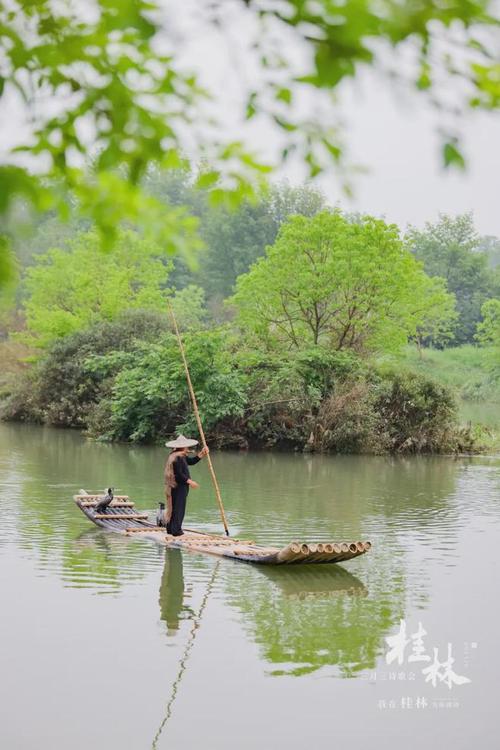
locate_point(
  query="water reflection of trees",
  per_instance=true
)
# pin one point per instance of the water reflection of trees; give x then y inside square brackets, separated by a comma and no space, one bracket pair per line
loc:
[302,618]
[50,466]
[273,497]
[305,619]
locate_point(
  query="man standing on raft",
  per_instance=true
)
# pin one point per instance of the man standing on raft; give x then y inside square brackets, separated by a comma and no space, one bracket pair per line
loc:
[178,481]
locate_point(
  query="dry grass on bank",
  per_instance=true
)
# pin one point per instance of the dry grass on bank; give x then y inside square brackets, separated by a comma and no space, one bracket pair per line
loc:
[14,360]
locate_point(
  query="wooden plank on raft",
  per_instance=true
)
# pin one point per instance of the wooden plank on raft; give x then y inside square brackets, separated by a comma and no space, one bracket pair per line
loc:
[99,497]
[120,516]
[111,505]
[146,528]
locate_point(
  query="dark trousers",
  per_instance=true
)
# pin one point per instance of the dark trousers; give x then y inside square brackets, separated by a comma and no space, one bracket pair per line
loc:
[179,497]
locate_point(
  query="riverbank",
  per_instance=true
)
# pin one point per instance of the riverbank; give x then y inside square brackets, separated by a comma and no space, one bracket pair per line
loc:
[124,382]
[467,369]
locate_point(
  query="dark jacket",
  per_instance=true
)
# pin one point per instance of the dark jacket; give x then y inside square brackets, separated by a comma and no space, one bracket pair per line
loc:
[181,468]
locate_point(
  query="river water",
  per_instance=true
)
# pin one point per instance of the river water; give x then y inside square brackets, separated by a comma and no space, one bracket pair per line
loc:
[116,643]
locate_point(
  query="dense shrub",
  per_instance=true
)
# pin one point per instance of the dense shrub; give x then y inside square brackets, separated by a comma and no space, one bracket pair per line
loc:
[415,414]
[125,381]
[148,398]
[347,420]
[61,389]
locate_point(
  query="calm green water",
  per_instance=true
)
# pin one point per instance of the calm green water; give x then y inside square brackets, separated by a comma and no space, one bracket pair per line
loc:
[116,643]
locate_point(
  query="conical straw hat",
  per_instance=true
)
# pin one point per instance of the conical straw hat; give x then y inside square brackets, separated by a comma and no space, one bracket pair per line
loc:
[181,442]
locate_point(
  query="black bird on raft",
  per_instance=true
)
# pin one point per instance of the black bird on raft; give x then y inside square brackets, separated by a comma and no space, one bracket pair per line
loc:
[106,500]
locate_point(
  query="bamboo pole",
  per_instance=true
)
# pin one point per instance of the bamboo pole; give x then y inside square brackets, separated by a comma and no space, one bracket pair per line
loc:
[198,421]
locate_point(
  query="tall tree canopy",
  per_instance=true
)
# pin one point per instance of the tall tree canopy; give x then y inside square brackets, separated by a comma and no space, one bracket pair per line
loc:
[236,239]
[335,282]
[69,290]
[233,237]
[451,249]
[108,80]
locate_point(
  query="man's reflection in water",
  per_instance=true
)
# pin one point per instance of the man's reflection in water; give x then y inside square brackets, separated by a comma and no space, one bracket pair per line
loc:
[172,592]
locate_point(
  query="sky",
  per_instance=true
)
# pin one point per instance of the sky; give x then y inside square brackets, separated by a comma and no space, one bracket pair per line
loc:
[393,137]
[406,181]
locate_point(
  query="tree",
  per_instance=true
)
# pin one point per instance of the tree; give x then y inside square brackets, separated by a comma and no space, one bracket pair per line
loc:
[236,239]
[148,397]
[233,238]
[332,282]
[449,249]
[120,98]
[189,308]
[69,290]
[436,310]
[488,330]
[285,200]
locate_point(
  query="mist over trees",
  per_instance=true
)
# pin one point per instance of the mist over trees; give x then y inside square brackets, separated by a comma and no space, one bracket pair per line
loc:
[451,249]
[222,244]
[285,310]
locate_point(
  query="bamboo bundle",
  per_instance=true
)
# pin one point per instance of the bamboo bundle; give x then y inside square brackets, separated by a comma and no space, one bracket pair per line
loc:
[294,551]
[197,541]
[317,552]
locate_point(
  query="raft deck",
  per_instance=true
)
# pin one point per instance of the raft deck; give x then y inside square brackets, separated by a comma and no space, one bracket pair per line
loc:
[122,517]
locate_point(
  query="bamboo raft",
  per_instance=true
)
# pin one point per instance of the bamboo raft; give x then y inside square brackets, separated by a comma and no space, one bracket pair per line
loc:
[122,517]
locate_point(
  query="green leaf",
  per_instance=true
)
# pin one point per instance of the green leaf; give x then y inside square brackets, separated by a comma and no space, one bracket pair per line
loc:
[208,179]
[452,156]
[284,95]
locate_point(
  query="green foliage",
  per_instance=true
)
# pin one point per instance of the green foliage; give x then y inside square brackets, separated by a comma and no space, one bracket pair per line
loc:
[135,109]
[149,399]
[488,330]
[337,283]
[437,313]
[125,100]
[286,392]
[67,291]
[189,308]
[125,381]
[233,238]
[466,370]
[236,239]
[62,389]
[347,421]
[488,334]
[450,249]
[7,262]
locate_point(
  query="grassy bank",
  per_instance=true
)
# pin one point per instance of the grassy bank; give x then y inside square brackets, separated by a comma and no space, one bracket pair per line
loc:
[466,368]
